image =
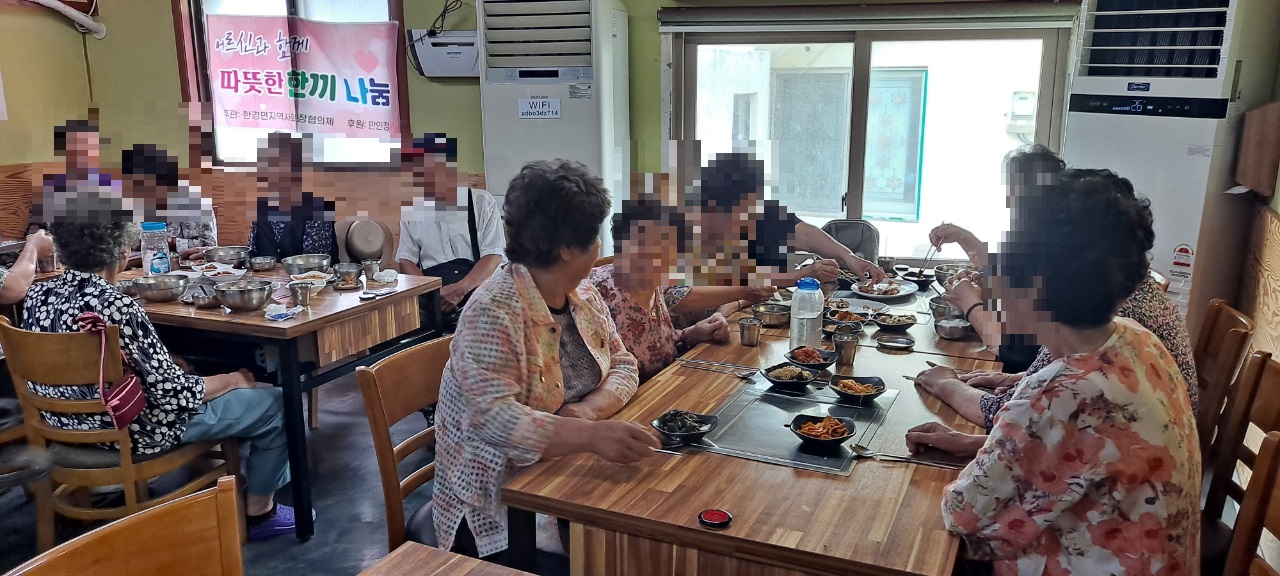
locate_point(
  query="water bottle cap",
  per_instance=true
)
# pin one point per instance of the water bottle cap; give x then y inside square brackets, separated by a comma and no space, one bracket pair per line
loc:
[807,283]
[153,226]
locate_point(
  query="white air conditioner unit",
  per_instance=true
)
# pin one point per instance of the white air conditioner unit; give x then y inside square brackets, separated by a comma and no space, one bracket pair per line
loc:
[554,84]
[1158,94]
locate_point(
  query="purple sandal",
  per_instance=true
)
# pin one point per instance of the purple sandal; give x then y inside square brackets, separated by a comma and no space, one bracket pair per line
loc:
[282,521]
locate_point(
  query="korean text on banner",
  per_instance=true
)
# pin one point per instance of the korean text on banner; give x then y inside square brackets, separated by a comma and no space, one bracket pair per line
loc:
[287,73]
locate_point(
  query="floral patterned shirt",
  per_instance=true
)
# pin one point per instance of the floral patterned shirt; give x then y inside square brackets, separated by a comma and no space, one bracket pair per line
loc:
[645,327]
[1154,311]
[172,394]
[499,393]
[1093,468]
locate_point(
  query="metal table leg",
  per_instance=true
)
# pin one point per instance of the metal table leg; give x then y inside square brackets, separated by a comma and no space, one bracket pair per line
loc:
[295,426]
[522,539]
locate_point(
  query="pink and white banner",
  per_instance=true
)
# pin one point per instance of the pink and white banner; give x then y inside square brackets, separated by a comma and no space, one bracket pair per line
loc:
[293,74]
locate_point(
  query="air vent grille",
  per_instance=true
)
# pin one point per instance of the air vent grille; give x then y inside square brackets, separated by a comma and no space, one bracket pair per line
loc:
[537,33]
[1155,38]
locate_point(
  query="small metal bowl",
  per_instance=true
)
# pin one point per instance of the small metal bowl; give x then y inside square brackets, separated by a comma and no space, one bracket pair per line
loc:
[772,314]
[244,295]
[227,254]
[303,263]
[262,263]
[205,301]
[953,329]
[126,287]
[161,288]
[943,310]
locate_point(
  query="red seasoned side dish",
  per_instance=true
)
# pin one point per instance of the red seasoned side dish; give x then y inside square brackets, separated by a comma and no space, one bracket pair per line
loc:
[807,355]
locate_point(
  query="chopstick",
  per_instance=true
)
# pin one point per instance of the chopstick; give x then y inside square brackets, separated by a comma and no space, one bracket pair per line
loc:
[721,364]
[957,370]
[906,460]
[725,372]
[911,378]
[671,452]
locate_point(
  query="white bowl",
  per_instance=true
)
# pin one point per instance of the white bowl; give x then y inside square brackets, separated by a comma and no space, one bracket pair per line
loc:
[223,276]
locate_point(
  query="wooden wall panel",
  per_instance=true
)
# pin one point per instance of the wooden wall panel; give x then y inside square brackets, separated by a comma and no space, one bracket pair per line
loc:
[1260,286]
[358,195]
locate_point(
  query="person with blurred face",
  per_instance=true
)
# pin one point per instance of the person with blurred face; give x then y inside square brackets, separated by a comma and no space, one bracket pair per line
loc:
[153,177]
[734,218]
[79,143]
[649,238]
[289,221]
[453,233]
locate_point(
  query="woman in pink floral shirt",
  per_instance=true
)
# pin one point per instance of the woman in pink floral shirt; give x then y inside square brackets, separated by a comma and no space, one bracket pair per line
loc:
[649,237]
[535,366]
[1093,465]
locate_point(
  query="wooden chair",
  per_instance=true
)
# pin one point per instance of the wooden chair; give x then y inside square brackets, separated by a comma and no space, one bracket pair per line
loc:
[78,461]
[602,261]
[1161,280]
[397,387]
[197,535]
[1254,400]
[1224,339]
[1260,511]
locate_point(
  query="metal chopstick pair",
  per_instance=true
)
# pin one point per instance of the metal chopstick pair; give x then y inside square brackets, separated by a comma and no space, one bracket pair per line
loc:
[742,374]
[720,364]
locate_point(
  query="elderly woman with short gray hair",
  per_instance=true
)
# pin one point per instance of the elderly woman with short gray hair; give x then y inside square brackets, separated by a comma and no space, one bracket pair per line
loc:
[180,407]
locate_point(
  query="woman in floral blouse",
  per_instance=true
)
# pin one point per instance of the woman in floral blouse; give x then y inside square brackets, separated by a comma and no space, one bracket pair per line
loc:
[649,237]
[536,366]
[180,407]
[1093,465]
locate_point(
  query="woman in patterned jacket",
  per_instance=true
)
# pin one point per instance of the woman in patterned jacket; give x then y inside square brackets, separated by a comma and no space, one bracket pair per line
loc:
[1093,466]
[536,365]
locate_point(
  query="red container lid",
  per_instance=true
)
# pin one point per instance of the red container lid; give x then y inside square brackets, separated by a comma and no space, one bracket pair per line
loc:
[714,518]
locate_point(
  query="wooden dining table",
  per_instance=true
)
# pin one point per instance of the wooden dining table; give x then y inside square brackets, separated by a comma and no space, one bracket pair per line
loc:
[336,333]
[420,560]
[883,518]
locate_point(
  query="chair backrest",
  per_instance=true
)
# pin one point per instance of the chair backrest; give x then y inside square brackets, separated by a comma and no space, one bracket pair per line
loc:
[1254,399]
[197,535]
[394,388]
[1260,511]
[1160,279]
[859,236]
[349,251]
[61,359]
[602,261]
[1221,346]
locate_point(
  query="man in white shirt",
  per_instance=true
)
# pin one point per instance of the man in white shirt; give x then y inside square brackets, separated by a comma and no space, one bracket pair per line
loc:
[451,231]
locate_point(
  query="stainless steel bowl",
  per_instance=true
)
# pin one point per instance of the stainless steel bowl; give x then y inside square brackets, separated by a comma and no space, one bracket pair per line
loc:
[244,295]
[227,254]
[161,288]
[953,329]
[303,263]
[943,310]
[126,287]
[205,300]
[262,263]
[347,272]
[772,314]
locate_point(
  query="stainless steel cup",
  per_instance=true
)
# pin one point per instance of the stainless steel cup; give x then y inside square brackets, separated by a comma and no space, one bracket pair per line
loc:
[301,293]
[749,330]
[886,263]
[47,264]
[846,348]
[371,268]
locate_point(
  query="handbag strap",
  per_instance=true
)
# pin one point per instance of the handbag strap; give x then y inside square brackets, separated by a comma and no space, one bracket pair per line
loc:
[471,227]
[94,324]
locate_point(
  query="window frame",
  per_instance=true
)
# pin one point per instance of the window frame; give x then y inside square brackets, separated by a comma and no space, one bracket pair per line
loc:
[189,33]
[1050,108]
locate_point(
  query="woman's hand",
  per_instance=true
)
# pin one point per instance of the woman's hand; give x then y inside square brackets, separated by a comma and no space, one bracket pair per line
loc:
[933,378]
[963,295]
[758,294]
[622,442]
[189,252]
[952,234]
[41,242]
[991,379]
[943,438]
[577,410]
[713,329]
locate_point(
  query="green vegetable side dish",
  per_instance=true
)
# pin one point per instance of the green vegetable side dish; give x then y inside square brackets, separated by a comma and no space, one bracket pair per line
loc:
[680,422]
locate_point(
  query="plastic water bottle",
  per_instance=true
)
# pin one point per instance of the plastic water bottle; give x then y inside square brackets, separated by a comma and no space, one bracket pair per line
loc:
[806,314]
[155,248]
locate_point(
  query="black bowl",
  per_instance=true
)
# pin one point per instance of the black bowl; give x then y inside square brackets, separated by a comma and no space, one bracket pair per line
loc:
[924,281]
[855,327]
[858,398]
[900,328]
[707,420]
[802,419]
[828,358]
[790,385]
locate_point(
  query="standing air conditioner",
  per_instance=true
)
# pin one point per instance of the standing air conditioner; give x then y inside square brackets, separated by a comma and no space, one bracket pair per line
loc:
[554,84]
[1158,96]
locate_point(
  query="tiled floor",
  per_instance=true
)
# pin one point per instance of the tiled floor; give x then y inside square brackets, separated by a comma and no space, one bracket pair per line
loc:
[350,527]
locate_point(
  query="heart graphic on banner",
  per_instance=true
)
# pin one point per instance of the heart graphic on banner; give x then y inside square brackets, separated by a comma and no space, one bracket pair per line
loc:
[367,61]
